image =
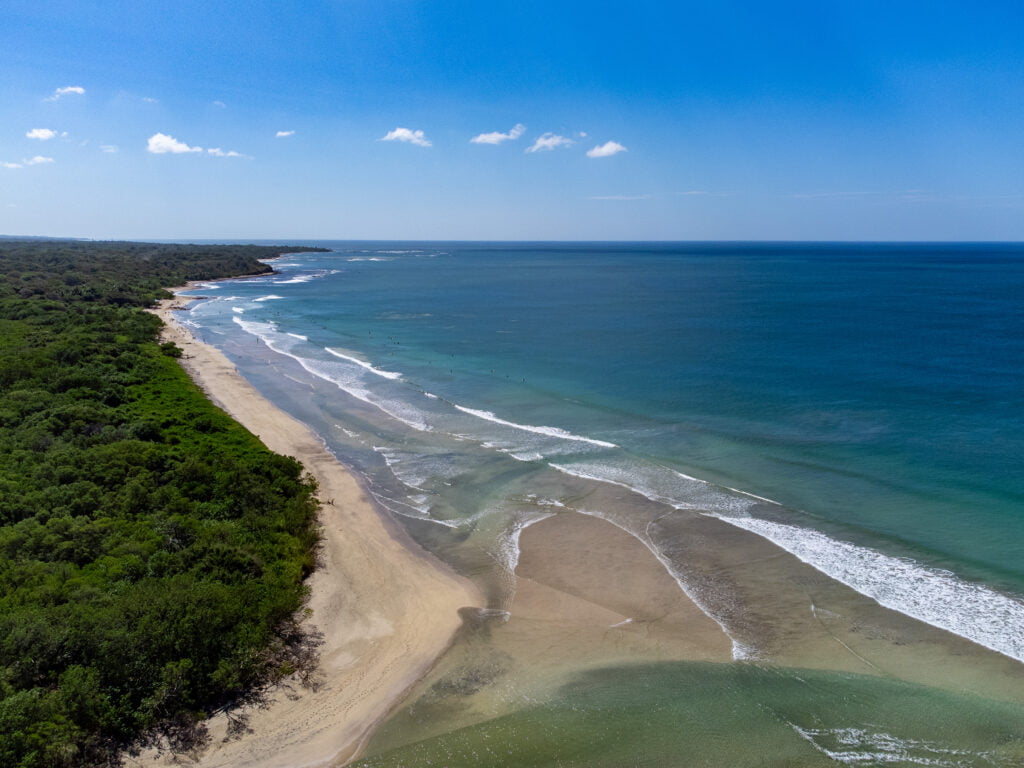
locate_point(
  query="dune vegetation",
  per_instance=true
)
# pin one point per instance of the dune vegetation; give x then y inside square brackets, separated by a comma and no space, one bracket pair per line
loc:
[152,551]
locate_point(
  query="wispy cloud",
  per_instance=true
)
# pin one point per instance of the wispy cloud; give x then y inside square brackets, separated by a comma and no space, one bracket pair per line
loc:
[66,90]
[607,149]
[284,134]
[43,134]
[218,152]
[37,160]
[496,137]
[110,149]
[549,141]
[220,104]
[408,136]
[904,194]
[150,100]
[913,196]
[704,193]
[162,144]
[620,197]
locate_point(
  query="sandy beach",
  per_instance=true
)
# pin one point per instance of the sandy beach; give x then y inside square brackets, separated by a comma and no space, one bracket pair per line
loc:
[386,609]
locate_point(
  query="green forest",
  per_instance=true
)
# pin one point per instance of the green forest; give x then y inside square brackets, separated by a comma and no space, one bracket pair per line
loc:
[152,550]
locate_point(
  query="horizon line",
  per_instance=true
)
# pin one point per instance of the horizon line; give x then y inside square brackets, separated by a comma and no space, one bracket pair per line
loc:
[308,239]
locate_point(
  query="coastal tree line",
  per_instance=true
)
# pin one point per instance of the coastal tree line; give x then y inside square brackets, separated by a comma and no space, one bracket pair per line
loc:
[152,550]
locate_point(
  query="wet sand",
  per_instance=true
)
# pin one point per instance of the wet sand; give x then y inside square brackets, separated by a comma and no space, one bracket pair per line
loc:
[608,591]
[587,595]
[590,596]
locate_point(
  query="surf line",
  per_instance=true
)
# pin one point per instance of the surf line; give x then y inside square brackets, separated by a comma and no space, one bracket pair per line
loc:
[548,431]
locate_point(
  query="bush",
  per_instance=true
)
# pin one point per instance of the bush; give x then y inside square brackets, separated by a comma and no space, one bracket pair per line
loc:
[151,549]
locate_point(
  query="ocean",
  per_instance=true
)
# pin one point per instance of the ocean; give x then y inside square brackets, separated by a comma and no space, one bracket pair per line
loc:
[857,405]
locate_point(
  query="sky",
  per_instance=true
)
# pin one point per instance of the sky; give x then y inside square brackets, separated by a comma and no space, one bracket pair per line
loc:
[525,120]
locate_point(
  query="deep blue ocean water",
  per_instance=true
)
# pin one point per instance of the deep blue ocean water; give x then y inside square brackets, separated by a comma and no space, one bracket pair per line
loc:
[859,404]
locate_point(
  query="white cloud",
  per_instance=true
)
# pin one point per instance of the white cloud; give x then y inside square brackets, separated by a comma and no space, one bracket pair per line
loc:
[162,144]
[150,100]
[37,160]
[108,148]
[549,141]
[76,89]
[607,149]
[404,134]
[496,137]
[220,104]
[283,134]
[218,152]
[41,133]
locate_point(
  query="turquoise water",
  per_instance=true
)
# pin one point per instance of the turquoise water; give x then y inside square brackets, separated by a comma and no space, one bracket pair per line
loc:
[860,405]
[872,391]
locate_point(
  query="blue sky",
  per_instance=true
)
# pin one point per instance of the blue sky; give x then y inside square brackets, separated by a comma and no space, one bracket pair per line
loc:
[734,119]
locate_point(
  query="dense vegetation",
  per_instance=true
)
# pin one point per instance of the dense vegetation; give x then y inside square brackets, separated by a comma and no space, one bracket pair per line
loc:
[152,551]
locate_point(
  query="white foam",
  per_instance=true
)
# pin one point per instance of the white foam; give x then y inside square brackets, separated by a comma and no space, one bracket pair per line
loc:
[271,297]
[980,614]
[740,651]
[364,364]
[388,503]
[346,380]
[661,484]
[238,310]
[859,746]
[550,503]
[309,276]
[549,431]
[939,598]
[527,457]
[508,542]
[299,336]
[402,466]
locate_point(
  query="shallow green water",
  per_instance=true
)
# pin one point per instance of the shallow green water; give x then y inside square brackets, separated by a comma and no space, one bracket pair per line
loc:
[687,714]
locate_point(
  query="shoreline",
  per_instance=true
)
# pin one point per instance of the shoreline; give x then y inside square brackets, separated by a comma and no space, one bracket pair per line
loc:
[561,620]
[387,610]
